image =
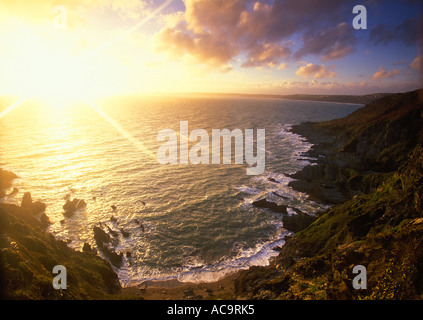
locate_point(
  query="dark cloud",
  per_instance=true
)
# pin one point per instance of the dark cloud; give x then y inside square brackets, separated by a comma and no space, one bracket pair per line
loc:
[262,32]
[331,44]
[405,33]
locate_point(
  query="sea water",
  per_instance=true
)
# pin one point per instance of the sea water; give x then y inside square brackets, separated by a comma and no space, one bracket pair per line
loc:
[198,221]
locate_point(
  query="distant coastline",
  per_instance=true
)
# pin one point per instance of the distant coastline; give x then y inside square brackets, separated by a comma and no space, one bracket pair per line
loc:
[348,99]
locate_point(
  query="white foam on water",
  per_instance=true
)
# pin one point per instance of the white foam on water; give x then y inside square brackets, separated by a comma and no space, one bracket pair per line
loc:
[245,258]
[195,270]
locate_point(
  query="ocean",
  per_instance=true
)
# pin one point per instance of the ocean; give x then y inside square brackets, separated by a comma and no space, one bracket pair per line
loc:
[198,220]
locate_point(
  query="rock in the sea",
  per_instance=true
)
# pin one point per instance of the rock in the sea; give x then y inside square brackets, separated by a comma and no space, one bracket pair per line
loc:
[140,224]
[26,200]
[105,244]
[272,180]
[113,232]
[263,203]
[6,178]
[13,192]
[126,234]
[71,206]
[101,236]
[38,207]
[297,222]
[34,207]
[45,220]
[87,248]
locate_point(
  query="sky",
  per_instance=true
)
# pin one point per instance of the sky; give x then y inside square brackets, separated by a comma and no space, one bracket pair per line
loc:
[94,48]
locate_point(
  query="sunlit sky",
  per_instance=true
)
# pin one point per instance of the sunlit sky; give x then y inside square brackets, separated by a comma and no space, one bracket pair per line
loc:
[111,47]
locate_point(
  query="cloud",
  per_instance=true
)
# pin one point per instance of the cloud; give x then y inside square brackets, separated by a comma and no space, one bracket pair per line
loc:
[316,71]
[203,33]
[204,47]
[405,33]
[267,54]
[213,16]
[332,43]
[417,64]
[258,32]
[381,73]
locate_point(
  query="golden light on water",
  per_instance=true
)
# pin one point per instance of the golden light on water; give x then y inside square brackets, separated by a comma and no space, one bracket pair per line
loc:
[43,66]
[137,143]
[11,107]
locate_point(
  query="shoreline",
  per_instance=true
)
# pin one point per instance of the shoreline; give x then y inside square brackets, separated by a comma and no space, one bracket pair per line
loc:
[171,289]
[174,289]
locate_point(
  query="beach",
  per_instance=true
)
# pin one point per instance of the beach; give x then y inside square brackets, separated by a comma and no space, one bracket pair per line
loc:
[222,289]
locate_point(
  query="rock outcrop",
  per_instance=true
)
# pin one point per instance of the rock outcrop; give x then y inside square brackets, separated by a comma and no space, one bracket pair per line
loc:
[6,178]
[71,206]
[263,203]
[106,244]
[298,221]
[27,257]
[354,152]
[34,207]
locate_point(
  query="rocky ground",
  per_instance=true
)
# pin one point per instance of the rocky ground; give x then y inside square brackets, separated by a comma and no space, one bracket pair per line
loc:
[28,255]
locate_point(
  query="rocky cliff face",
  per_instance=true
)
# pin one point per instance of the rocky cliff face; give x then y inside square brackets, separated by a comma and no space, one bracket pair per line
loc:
[372,166]
[355,151]
[28,255]
[6,178]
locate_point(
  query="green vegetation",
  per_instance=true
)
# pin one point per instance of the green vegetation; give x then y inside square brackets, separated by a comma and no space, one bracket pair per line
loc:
[28,255]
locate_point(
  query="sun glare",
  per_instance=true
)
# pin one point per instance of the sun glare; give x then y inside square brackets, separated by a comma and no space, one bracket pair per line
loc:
[61,67]
[40,68]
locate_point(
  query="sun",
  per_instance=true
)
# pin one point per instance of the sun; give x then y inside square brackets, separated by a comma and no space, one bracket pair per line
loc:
[86,61]
[55,76]
[38,67]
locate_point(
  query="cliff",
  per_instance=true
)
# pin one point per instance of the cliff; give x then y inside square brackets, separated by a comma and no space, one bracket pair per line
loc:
[27,257]
[370,164]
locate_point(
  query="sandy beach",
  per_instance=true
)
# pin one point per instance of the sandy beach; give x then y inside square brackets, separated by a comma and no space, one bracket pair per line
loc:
[176,290]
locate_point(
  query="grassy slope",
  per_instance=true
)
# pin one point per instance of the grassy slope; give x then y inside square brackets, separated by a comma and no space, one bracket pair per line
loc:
[28,255]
